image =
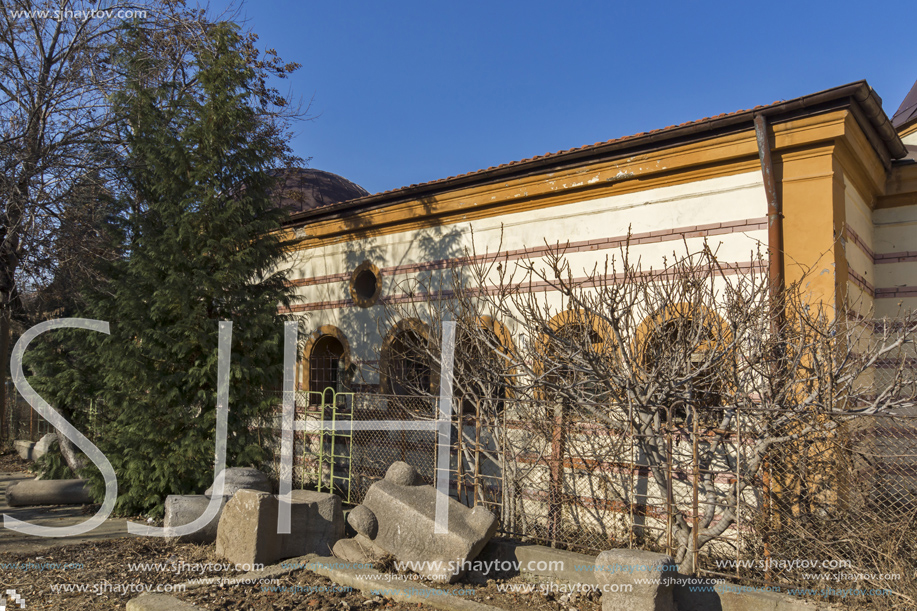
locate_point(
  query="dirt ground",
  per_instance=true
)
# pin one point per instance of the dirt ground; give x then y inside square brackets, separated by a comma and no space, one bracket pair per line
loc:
[105,575]
[106,572]
[11,463]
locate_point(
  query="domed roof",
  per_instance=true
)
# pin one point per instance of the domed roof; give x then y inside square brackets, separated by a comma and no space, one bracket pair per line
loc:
[302,189]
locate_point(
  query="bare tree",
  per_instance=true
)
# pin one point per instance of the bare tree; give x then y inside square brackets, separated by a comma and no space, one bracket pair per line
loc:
[668,359]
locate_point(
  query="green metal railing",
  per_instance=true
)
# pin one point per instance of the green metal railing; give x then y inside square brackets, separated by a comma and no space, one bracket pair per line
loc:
[339,454]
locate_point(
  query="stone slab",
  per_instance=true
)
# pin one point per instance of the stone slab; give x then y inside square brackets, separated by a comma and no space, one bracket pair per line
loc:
[409,592]
[359,550]
[158,602]
[535,560]
[727,598]
[183,509]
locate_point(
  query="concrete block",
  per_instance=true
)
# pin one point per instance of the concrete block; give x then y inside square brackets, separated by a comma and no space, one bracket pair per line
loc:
[47,492]
[44,445]
[242,478]
[183,509]
[624,567]
[24,448]
[158,602]
[406,517]
[247,532]
[316,524]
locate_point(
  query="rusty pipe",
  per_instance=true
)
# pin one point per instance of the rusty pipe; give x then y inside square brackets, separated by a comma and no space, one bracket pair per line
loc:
[774,212]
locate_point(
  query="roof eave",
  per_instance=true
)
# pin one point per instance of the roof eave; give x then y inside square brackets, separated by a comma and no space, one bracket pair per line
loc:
[859,92]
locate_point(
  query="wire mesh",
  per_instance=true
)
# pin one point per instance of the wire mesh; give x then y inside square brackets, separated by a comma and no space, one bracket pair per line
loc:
[808,500]
[772,498]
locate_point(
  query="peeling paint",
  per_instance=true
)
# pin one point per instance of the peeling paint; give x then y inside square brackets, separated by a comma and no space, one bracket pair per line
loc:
[593,180]
[621,175]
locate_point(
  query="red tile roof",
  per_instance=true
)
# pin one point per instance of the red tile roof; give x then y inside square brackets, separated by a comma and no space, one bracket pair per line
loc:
[859,90]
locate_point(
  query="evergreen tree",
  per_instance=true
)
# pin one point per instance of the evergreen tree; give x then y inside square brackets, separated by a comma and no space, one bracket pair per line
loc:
[203,245]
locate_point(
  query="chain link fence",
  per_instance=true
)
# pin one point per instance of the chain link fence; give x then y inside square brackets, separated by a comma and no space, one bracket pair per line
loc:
[826,502]
[801,500]
[348,462]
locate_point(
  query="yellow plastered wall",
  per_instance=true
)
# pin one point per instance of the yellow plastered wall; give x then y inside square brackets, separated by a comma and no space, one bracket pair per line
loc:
[814,216]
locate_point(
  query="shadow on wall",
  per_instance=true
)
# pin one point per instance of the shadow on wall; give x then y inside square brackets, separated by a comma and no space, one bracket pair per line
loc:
[425,252]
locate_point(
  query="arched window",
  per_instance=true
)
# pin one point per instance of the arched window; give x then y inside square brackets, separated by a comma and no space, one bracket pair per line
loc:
[572,338]
[482,365]
[405,362]
[685,346]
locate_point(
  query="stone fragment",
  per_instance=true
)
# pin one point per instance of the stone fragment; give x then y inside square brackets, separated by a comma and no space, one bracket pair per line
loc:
[47,492]
[159,602]
[358,550]
[363,521]
[403,474]
[43,446]
[316,524]
[247,531]
[406,518]
[242,478]
[183,509]
[648,578]
[24,448]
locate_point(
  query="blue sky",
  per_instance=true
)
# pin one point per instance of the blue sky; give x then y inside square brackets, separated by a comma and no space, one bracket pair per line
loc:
[406,92]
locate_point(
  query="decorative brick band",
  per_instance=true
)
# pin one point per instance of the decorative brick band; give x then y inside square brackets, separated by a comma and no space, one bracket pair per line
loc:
[882,257]
[877,259]
[896,292]
[648,237]
[861,282]
[897,257]
[853,236]
[532,287]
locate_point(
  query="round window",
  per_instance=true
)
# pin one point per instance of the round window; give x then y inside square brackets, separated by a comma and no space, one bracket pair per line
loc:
[365,285]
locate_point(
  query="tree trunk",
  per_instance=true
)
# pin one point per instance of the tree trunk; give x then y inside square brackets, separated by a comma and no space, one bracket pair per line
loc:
[68,451]
[4,365]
